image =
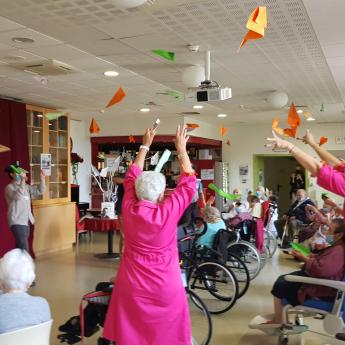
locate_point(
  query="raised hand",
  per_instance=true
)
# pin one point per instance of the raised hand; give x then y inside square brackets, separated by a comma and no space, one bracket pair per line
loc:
[277,143]
[181,139]
[308,138]
[149,136]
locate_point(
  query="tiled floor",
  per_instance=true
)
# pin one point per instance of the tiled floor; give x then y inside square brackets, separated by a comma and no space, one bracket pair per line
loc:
[64,278]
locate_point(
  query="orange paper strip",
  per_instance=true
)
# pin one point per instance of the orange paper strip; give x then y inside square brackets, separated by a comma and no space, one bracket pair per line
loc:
[290,132]
[131,139]
[118,97]
[94,128]
[257,23]
[323,140]
[191,126]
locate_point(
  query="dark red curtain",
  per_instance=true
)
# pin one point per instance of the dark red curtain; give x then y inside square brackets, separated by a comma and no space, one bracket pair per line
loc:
[13,133]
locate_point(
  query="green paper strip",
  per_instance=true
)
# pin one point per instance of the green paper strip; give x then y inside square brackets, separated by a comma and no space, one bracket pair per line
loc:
[300,248]
[53,116]
[164,54]
[18,170]
[223,194]
[176,94]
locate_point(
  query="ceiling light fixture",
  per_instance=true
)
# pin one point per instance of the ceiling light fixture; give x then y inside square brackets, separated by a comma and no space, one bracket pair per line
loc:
[198,106]
[310,119]
[111,73]
[36,131]
[299,111]
[222,115]
[144,110]
[39,115]
[22,40]
[131,3]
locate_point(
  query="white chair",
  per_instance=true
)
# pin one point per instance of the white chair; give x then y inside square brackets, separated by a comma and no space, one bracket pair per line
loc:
[331,312]
[34,335]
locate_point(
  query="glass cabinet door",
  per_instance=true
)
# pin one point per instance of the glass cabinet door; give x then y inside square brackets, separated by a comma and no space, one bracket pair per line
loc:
[49,136]
[35,123]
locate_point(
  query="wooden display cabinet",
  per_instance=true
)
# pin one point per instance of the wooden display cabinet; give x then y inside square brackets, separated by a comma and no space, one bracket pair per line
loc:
[49,136]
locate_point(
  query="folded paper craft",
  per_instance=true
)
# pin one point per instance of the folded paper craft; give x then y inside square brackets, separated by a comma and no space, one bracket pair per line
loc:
[300,248]
[131,139]
[4,148]
[94,128]
[257,23]
[191,126]
[276,128]
[323,140]
[223,194]
[223,131]
[117,98]
[293,118]
[164,54]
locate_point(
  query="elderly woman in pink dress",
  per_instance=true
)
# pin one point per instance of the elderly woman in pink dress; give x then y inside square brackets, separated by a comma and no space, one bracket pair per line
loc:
[329,263]
[149,305]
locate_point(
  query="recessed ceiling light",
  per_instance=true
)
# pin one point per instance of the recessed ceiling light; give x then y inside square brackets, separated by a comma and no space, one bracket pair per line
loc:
[111,73]
[36,131]
[22,40]
[310,119]
[50,124]
[145,110]
[222,115]
[198,106]
[299,111]
[39,115]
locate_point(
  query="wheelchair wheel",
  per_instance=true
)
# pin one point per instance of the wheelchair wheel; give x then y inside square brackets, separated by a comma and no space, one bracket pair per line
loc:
[248,254]
[264,256]
[271,243]
[240,270]
[215,284]
[200,318]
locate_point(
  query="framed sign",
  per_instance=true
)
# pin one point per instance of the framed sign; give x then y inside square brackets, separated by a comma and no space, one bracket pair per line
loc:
[46,166]
[207,174]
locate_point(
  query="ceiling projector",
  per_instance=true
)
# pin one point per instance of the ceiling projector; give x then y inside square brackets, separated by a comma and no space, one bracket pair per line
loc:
[213,94]
[208,90]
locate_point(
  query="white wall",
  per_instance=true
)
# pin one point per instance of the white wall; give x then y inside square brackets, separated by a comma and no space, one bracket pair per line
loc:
[82,146]
[249,140]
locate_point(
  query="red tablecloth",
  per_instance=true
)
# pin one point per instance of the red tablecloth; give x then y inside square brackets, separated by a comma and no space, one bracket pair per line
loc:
[101,224]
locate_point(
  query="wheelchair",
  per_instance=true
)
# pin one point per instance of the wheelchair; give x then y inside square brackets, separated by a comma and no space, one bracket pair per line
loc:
[206,274]
[332,313]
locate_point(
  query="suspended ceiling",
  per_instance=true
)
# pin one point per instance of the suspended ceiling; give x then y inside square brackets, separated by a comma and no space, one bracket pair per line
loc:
[94,36]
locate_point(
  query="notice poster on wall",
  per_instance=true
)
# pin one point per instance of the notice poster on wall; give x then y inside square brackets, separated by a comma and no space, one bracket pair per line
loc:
[46,167]
[207,174]
[243,170]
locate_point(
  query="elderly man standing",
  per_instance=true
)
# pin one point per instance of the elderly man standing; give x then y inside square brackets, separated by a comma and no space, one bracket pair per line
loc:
[296,217]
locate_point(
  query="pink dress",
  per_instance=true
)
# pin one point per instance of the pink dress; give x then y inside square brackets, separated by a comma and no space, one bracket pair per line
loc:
[333,180]
[149,305]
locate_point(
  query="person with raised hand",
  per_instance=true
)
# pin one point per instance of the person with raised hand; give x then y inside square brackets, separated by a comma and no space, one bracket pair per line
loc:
[328,177]
[149,304]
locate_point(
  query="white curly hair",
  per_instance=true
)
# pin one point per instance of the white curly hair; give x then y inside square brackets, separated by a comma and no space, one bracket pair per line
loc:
[150,185]
[17,270]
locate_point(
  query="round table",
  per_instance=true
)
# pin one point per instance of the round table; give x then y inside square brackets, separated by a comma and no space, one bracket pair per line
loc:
[98,224]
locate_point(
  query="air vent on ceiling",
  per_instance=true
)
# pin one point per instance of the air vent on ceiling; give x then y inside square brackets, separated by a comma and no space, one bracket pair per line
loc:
[189,113]
[46,68]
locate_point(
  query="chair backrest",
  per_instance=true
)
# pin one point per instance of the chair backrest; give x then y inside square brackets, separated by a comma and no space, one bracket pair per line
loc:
[34,335]
[265,214]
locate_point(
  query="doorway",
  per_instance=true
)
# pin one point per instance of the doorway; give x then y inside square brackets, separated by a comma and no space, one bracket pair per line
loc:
[273,172]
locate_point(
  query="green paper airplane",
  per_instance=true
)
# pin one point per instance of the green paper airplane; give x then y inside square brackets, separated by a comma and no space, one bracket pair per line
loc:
[164,54]
[223,194]
[300,248]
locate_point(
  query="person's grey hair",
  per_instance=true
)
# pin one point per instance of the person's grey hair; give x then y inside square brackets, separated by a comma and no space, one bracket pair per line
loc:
[149,185]
[212,215]
[17,270]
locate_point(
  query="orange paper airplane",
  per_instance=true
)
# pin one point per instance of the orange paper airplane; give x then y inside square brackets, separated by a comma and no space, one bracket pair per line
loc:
[290,132]
[293,118]
[257,23]
[223,131]
[275,124]
[131,139]
[323,140]
[4,148]
[117,98]
[191,126]
[94,128]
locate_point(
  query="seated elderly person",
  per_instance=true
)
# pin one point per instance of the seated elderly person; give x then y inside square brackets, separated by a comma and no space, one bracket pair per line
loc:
[327,264]
[296,217]
[17,272]
[261,193]
[214,224]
